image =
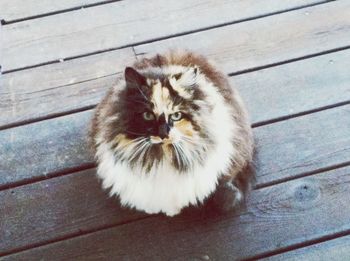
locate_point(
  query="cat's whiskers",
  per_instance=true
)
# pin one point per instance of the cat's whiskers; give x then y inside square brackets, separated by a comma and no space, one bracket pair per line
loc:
[144,151]
[124,148]
[190,141]
[183,154]
[176,153]
[199,147]
[139,149]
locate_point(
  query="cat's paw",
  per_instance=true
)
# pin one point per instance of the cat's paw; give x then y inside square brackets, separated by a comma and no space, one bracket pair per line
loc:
[227,197]
[172,212]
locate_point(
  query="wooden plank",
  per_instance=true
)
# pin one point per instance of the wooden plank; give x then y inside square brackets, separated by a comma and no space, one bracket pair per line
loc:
[269,40]
[43,148]
[290,155]
[296,87]
[313,141]
[19,9]
[55,208]
[263,227]
[119,24]
[77,83]
[336,249]
[82,82]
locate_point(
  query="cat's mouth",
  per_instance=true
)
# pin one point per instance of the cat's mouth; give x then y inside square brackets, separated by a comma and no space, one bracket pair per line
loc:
[158,140]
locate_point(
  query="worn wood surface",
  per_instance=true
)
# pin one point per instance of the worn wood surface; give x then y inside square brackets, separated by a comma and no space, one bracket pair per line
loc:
[292,88]
[43,148]
[66,146]
[21,9]
[60,87]
[274,162]
[332,250]
[121,23]
[56,208]
[297,87]
[303,144]
[298,204]
[289,60]
[269,40]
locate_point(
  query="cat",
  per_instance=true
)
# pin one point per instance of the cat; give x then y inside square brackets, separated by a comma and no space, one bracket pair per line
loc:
[170,133]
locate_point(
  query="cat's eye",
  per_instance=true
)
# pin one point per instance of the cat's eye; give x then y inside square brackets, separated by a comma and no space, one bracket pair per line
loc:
[176,116]
[148,116]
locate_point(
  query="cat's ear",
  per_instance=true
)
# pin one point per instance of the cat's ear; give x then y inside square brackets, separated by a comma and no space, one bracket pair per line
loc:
[188,78]
[133,78]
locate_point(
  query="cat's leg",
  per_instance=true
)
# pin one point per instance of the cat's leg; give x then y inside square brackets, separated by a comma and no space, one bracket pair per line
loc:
[231,190]
[227,197]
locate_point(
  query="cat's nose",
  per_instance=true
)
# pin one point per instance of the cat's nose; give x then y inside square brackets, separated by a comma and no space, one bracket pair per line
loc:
[163,131]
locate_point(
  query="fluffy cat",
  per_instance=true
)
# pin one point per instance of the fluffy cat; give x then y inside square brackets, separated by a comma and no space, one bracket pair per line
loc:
[170,133]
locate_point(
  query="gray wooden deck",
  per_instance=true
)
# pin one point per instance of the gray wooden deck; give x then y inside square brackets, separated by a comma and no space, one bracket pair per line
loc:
[291,62]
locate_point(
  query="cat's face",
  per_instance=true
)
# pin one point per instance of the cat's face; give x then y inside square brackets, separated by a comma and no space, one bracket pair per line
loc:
[161,120]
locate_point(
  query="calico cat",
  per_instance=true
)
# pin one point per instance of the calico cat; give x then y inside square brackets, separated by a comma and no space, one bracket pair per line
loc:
[170,133]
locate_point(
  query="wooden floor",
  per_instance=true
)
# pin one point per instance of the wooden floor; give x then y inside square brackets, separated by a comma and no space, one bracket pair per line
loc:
[289,59]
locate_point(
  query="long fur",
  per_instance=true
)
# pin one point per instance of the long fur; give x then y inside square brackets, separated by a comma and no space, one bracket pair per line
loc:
[158,178]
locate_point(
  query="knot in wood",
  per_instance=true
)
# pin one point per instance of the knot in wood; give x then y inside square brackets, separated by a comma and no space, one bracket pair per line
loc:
[306,192]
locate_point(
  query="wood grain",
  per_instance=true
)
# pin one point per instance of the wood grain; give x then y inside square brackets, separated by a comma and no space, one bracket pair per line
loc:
[69,208]
[119,24]
[58,207]
[291,88]
[298,151]
[303,144]
[60,87]
[263,227]
[285,149]
[336,249]
[43,148]
[296,87]
[269,40]
[21,9]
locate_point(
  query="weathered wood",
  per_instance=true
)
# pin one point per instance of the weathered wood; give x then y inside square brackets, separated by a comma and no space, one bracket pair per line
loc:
[265,226]
[269,40]
[277,218]
[60,87]
[291,88]
[39,149]
[303,144]
[336,249]
[313,141]
[277,159]
[58,207]
[295,87]
[18,9]
[119,24]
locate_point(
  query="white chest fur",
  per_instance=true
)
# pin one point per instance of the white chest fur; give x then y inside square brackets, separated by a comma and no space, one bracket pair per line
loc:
[162,190]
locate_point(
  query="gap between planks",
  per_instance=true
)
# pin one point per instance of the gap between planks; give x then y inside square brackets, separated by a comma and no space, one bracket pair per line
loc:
[89,165]
[70,236]
[300,245]
[321,238]
[333,249]
[257,124]
[173,36]
[322,63]
[91,107]
[5,22]
[51,175]
[325,116]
